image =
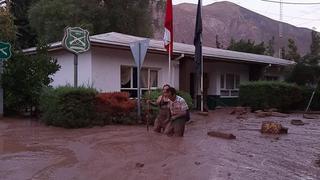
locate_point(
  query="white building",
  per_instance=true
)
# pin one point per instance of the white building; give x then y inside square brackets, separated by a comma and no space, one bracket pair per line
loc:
[109,66]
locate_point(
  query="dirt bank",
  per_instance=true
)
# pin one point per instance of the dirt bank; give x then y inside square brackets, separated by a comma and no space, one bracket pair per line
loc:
[30,150]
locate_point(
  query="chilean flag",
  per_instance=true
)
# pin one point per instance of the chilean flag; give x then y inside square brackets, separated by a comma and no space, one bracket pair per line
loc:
[168,28]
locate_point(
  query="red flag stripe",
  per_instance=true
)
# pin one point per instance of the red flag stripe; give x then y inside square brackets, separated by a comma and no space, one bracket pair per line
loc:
[168,24]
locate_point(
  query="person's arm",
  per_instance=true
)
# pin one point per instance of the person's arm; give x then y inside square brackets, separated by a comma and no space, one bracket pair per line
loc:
[183,110]
[179,115]
[158,101]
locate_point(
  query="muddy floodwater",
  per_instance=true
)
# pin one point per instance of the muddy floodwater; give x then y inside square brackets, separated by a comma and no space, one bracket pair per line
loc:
[30,150]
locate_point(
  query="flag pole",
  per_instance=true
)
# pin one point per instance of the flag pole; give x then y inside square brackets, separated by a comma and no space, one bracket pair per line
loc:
[169,75]
[201,69]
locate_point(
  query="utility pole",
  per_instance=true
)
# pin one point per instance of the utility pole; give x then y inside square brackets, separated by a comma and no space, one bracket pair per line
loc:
[281,30]
[281,2]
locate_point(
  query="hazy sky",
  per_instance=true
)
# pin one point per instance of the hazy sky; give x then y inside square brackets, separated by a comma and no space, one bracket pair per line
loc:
[298,15]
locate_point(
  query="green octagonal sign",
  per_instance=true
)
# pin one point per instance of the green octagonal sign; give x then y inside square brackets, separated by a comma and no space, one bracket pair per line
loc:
[5,50]
[76,40]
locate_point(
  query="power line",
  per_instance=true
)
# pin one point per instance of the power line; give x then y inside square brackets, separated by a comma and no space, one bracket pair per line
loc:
[292,3]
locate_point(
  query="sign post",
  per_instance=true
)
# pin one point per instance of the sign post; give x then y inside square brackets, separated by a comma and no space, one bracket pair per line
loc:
[5,53]
[76,40]
[139,51]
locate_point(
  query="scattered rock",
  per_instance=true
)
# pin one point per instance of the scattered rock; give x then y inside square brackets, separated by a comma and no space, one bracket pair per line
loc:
[242,117]
[317,162]
[277,114]
[262,114]
[229,174]
[297,122]
[270,127]
[221,135]
[164,165]
[197,163]
[240,110]
[203,113]
[139,165]
[310,116]
[271,110]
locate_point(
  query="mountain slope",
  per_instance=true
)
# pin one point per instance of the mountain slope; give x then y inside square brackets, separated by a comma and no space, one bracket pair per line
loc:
[228,20]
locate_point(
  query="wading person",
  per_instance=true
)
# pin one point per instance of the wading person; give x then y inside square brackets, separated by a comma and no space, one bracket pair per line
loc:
[178,114]
[163,117]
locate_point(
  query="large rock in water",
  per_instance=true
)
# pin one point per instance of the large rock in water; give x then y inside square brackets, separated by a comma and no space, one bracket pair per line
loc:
[270,127]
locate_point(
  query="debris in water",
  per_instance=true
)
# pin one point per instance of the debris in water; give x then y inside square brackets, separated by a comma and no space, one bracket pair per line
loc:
[297,122]
[310,116]
[203,113]
[270,127]
[262,114]
[318,162]
[277,114]
[139,165]
[240,110]
[221,135]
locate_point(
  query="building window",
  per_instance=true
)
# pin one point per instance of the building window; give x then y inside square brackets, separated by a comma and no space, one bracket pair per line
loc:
[129,79]
[229,85]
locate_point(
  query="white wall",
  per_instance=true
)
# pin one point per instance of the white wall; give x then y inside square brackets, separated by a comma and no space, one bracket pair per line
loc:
[107,62]
[66,73]
[215,69]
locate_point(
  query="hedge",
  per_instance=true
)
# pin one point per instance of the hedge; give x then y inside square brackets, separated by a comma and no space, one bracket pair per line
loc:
[271,94]
[68,107]
[71,107]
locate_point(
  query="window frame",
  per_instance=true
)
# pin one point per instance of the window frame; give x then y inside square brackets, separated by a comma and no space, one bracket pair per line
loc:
[132,76]
[223,76]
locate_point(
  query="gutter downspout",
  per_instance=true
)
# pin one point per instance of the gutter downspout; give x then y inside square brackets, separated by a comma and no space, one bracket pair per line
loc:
[176,59]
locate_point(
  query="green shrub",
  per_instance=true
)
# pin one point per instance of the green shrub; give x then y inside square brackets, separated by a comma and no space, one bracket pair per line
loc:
[267,94]
[186,96]
[68,107]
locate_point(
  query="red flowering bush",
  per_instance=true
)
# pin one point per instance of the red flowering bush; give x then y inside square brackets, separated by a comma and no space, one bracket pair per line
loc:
[115,107]
[114,103]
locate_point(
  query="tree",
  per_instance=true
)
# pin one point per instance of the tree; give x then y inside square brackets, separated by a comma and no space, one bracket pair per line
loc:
[304,74]
[292,53]
[218,44]
[307,70]
[315,43]
[26,37]
[270,48]
[24,77]
[49,18]
[8,29]
[247,46]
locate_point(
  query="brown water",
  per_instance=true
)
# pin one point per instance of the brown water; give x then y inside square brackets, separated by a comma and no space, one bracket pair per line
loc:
[30,150]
